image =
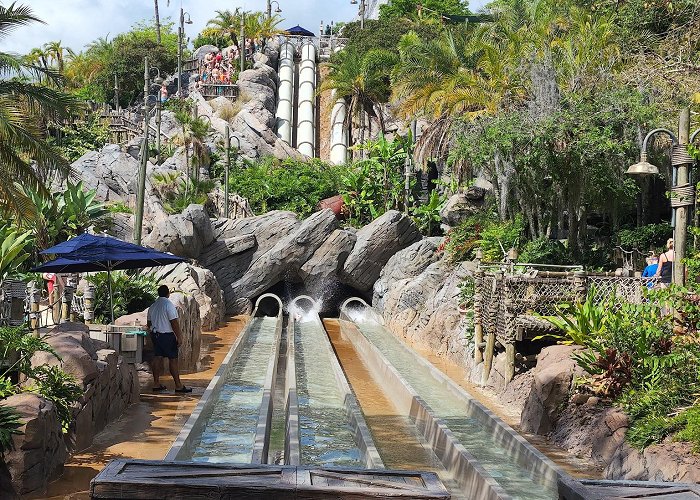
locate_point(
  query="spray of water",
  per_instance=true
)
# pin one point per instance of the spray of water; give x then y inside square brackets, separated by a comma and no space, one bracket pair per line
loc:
[304,309]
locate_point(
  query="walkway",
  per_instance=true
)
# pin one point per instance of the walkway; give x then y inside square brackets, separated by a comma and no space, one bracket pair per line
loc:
[149,427]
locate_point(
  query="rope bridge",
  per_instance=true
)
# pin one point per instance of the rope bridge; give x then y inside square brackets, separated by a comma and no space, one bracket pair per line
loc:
[508,307]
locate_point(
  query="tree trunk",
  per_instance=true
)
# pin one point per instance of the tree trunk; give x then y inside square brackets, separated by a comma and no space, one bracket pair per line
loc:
[155,2]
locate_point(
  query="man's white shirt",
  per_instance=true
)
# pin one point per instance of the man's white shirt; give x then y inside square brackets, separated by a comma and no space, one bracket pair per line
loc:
[160,314]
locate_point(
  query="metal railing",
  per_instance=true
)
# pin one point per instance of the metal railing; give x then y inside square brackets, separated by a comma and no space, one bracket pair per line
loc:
[211,90]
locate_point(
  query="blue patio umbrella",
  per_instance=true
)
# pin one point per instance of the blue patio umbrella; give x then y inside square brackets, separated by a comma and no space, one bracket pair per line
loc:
[90,253]
[299,31]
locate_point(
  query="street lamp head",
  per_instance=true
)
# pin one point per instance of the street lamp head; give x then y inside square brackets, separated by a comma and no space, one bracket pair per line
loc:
[643,167]
[278,10]
[353,2]
[158,80]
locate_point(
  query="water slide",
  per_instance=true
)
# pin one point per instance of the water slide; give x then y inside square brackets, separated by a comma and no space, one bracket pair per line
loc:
[231,422]
[485,456]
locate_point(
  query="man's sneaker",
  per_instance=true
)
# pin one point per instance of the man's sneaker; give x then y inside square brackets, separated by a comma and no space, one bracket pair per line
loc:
[184,389]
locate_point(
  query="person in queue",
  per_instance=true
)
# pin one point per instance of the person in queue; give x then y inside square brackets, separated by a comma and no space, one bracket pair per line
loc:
[164,328]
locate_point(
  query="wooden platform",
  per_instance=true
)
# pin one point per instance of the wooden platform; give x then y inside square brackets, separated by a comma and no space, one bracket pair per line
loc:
[151,480]
[593,489]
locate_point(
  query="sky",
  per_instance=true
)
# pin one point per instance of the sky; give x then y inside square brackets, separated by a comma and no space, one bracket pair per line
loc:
[78,22]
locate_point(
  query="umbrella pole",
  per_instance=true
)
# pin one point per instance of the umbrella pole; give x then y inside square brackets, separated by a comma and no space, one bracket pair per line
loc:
[111,301]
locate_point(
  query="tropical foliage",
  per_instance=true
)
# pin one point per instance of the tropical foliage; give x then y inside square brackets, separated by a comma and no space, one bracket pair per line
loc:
[17,346]
[25,109]
[269,184]
[224,28]
[130,293]
[637,358]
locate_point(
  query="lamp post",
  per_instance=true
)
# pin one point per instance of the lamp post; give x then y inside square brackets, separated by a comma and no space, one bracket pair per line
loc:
[269,8]
[242,37]
[180,36]
[228,167]
[361,12]
[141,189]
[116,93]
[682,191]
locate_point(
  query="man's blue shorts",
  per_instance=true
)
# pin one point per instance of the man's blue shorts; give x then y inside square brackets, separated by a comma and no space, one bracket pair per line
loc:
[165,345]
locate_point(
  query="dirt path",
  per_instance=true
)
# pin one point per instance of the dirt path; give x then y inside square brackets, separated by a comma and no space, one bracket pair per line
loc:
[148,428]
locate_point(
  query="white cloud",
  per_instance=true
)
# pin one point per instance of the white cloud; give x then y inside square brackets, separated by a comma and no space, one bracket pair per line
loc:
[78,22]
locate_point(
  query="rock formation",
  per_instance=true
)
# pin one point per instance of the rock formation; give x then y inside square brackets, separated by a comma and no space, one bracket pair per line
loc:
[40,451]
[199,283]
[375,245]
[109,385]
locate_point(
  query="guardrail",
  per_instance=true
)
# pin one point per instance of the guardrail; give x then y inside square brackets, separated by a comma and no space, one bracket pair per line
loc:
[212,90]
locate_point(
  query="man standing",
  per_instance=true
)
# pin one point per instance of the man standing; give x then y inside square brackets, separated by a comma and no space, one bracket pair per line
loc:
[165,332]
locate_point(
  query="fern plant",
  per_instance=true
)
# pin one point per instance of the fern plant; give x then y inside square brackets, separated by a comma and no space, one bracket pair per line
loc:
[9,426]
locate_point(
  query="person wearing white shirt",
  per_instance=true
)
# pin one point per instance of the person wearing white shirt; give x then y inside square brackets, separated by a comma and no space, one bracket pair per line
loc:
[164,327]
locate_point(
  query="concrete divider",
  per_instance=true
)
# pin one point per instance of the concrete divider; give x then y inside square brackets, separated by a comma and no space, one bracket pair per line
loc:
[292,453]
[182,448]
[262,433]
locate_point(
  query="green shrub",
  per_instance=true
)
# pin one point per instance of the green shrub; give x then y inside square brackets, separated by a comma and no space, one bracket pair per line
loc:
[297,186]
[485,231]
[60,388]
[643,238]
[131,292]
[545,251]
[77,139]
[689,423]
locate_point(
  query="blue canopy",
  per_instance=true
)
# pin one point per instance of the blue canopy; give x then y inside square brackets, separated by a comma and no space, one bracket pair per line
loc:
[299,31]
[90,253]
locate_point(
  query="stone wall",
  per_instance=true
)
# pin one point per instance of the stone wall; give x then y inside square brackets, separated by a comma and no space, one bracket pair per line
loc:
[109,385]
[40,451]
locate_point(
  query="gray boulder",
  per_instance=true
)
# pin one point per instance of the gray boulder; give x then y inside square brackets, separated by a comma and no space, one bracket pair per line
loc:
[408,263]
[185,234]
[320,272]
[376,243]
[287,256]
[554,374]
[460,206]
[249,239]
[202,51]
[423,310]
[199,283]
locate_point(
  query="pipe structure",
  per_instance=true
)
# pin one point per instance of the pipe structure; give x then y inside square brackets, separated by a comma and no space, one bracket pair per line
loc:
[285,92]
[339,134]
[306,125]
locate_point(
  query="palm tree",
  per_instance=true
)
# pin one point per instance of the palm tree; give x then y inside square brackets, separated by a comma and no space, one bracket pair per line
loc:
[155,3]
[363,80]
[23,108]
[225,24]
[461,74]
[57,54]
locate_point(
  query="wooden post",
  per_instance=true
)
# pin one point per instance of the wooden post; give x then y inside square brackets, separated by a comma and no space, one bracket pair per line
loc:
[89,296]
[509,335]
[66,303]
[478,314]
[490,340]
[34,299]
[510,362]
[580,285]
